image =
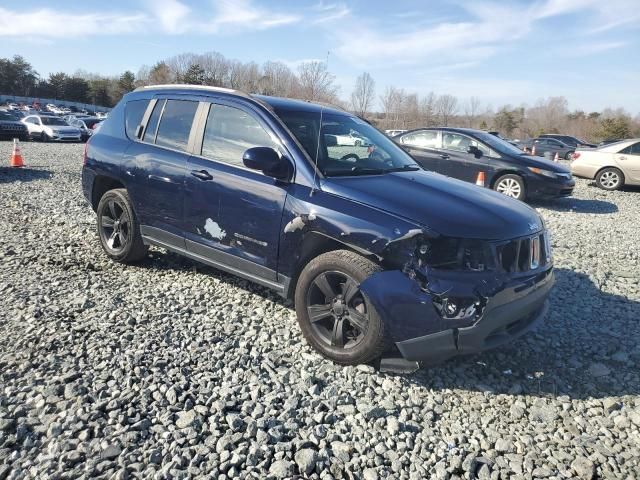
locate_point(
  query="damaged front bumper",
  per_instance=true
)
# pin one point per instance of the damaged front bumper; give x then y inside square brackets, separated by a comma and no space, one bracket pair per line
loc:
[508,308]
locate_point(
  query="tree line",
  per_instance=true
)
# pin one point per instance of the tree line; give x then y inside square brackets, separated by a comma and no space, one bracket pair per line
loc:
[392,108]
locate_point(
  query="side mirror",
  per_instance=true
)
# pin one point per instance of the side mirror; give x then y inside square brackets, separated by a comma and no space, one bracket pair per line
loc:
[267,160]
[475,151]
[330,140]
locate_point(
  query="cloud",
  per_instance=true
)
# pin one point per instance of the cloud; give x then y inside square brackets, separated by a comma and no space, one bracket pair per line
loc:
[55,24]
[593,48]
[330,12]
[245,15]
[171,14]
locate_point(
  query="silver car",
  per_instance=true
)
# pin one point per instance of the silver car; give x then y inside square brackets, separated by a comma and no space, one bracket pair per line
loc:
[612,166]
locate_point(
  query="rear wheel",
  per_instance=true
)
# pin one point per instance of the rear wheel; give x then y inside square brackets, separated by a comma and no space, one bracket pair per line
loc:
[568,156]
[511,186]
[118,228]
[335,317]
[610,178]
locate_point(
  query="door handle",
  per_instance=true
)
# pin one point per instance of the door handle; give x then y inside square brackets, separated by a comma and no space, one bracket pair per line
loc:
[444,156]
[201,174]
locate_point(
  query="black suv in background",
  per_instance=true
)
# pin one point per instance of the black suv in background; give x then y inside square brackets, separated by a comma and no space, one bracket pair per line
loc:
[469,155]
[376,253]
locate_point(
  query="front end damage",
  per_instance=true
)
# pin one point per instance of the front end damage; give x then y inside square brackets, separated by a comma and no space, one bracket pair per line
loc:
[441,297]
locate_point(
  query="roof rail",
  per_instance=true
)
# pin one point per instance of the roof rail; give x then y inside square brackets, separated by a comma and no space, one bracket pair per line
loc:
[193,87]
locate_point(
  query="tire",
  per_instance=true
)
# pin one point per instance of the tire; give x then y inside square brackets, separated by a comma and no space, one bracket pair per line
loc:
[359,342]
[118,228]
[512,186]
[610,178]
[43,137]
[569,156]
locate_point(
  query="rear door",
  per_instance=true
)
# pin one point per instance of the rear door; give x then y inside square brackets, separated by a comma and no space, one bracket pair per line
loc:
[629,161]
[233,214]
[423,146]
[155,167]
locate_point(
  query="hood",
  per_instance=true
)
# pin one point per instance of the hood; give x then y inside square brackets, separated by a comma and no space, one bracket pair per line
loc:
[12,123]
[539,162]
[450,207]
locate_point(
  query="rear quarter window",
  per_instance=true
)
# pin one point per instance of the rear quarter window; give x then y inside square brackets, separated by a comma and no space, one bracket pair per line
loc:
[134,111]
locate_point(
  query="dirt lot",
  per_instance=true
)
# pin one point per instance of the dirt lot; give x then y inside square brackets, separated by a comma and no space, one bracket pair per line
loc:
[173,370]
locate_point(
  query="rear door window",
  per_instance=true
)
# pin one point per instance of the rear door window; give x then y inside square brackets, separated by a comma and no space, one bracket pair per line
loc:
[423,139]
[152,124]
[175,124]
[134,111]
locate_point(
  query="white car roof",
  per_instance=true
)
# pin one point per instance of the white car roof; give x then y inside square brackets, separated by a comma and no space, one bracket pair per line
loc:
[616,147]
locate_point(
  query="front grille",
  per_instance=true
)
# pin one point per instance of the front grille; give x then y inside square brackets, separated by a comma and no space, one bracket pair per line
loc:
[524,254]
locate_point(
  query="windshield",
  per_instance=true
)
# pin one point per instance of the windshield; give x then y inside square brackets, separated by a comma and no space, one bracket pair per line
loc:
[348,145]
[498,144]
[52,121]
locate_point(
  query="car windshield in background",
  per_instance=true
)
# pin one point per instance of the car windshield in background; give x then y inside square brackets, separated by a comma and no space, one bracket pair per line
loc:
[53,121]
[348,145]
[498,144]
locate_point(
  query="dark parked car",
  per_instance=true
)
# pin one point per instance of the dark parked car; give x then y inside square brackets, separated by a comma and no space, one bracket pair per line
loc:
[11,127]
[465,153]
[548,146]
[377,254]
[569,140]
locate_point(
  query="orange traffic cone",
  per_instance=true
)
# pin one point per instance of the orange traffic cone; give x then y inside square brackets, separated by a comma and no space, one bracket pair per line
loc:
[533,150]
[480,179]
[556,158]
[16,156]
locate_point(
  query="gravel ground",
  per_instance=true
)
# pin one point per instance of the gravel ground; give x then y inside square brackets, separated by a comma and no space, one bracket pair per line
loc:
[173,370]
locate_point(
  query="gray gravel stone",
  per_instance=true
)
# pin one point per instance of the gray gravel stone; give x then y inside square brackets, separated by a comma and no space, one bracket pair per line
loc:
[179,369]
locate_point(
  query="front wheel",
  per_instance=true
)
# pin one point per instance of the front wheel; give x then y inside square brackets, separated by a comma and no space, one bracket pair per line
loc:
[335,317]
[511,186]
[568,156]
[44,137]
[610,179]
[118,228]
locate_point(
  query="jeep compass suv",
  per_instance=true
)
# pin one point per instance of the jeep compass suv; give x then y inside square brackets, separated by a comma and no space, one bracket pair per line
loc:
[377,254]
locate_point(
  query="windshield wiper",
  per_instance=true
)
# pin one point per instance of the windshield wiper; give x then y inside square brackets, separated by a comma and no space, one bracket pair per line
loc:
[355,171]
[404,168]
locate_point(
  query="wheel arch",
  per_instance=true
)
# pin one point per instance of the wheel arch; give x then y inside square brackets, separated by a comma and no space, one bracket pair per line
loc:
[101,185]
[504,172]
[614,167]
[313,245]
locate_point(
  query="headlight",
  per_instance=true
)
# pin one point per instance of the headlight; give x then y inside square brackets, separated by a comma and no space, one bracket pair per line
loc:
[457,254]
[545,173]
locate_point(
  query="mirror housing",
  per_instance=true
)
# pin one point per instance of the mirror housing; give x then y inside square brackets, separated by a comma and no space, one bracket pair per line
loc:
[475,151]
[268,161]
[330,140]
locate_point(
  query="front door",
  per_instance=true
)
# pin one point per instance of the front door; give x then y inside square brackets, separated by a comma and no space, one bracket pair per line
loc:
[456,162]
[233,214]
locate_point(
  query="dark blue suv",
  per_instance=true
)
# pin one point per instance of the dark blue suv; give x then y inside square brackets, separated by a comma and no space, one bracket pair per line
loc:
[378,255]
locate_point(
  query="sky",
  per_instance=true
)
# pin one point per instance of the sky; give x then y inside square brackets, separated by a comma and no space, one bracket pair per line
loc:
[503,52]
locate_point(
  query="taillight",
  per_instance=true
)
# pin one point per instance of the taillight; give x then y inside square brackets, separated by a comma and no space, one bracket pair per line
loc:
[575,155]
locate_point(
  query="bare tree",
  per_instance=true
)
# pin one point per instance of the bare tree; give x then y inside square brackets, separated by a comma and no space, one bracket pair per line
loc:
[216,68]
[277,79]
[446,108]
[316,83]
[392,102]
[363,95]
[472,111]
[427,110]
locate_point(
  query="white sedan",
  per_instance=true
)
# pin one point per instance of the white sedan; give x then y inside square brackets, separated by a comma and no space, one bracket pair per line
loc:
[612,166]
[353,139]
[49,128]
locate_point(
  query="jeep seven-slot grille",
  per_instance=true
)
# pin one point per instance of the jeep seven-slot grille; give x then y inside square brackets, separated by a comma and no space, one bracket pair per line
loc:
[524,254]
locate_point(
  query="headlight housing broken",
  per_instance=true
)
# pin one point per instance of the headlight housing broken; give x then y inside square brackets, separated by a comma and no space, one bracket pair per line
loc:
[457,254]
